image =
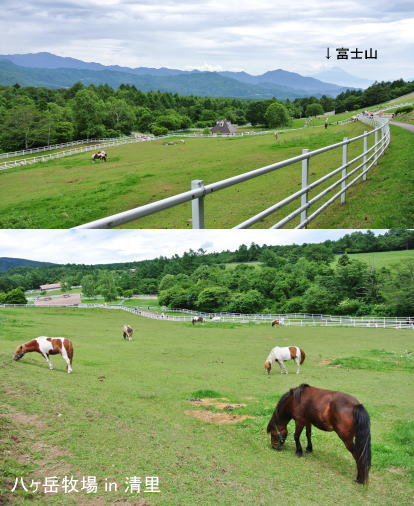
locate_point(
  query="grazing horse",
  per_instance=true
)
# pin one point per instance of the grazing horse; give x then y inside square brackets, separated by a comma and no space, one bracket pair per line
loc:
[281,355]
[329,411]
[197,319]
[100,155]
[215,318]
[48,346]
[127,332]
[278,322]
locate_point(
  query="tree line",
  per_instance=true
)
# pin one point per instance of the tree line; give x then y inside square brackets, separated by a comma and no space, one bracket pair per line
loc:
[37,116]
[294,278]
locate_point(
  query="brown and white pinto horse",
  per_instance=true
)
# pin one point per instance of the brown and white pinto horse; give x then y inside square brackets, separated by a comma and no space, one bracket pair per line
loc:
[278,322]
[48,346]
[197,319]
[327,410]
[281,355]
[100,155]
[127,332]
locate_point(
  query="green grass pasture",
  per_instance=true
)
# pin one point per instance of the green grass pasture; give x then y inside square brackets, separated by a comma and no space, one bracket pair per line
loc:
[70,191]
[122,412]
[380,259]
[385,199]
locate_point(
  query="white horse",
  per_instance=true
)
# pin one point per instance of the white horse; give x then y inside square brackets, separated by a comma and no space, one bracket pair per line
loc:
[215,318]
[281,355]
[127,332]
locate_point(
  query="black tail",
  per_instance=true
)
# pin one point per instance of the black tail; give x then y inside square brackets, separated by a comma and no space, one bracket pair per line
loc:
[362,442]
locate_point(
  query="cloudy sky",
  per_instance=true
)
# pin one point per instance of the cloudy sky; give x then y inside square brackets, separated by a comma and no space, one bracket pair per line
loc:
[107,246]
[254,36]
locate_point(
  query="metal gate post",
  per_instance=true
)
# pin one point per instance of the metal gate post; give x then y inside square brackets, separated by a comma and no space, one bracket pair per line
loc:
[197,205]
[344,161]
[364,167]
[305,177]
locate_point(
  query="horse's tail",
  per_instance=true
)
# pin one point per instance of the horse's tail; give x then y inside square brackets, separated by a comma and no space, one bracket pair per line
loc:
[362,442]
[302,356]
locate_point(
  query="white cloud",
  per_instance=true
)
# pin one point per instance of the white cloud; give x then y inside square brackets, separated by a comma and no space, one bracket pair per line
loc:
[212,34]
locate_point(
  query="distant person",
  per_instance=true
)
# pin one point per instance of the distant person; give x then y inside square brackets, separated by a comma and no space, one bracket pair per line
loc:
[326,123]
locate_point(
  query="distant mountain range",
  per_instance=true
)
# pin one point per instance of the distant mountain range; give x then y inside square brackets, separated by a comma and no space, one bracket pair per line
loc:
[51,71]
[338,76]
[7,263]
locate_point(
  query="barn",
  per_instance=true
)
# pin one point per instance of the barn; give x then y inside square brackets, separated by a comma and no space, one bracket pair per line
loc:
[224,127]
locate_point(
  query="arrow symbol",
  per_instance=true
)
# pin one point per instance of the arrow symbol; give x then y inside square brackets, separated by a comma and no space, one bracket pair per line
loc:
[327,53]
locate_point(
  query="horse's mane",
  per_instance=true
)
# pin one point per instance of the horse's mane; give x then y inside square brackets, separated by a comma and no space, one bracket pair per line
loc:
[296,393]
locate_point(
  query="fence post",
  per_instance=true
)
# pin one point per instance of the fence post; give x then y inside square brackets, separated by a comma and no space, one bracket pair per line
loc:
[197,205]
[305,177]
[376,148]
[344,161]
[364,168]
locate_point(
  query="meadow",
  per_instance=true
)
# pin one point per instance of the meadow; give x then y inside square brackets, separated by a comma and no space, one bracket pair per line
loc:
[126,411]
[67,192]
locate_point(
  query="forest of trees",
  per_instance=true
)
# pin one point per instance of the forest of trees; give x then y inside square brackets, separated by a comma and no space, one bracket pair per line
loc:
[36,116]
[295,278]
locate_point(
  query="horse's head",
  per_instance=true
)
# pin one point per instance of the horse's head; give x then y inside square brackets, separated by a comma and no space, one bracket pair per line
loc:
[267,366]
[19,353]
[278,436]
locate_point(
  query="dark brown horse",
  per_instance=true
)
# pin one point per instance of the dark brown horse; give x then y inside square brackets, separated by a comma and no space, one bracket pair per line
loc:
[327,410]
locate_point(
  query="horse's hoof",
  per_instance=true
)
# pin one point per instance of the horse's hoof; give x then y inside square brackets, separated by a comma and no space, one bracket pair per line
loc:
[299,454]
[309,450]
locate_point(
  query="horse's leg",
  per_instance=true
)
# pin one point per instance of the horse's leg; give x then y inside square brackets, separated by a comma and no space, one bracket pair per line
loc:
[309,448]
[298,432]
[282,367]
[46,355]
[348,441]
[66,359]
[297,365]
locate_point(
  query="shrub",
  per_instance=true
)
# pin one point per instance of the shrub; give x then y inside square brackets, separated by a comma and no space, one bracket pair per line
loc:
[402,110]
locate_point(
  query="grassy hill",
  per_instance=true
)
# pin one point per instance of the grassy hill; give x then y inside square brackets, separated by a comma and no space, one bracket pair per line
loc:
[7,263]
[73,190]
[126,411]
[384,258]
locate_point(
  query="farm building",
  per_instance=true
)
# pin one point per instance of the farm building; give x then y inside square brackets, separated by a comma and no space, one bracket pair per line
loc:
[51,286]
[224,127]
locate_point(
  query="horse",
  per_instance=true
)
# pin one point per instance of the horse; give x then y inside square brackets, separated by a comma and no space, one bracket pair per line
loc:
[278,322]
[127,332]
[215,318]
[100,155]
[327,410]
[281,355]
[48,346]
[197,319]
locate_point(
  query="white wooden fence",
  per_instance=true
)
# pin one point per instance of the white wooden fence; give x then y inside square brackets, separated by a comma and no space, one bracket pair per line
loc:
[52,147]
[21,162]
[339,181]
[289,319]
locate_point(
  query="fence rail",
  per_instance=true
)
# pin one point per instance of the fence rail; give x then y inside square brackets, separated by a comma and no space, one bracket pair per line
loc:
[67,152]
[51,147]
[289,319]
[355,168]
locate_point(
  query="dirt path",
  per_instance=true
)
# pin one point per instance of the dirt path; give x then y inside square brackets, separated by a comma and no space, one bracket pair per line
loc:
[406,126]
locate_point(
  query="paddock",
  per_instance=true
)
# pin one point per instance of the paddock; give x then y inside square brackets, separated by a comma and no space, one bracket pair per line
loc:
[148,431]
